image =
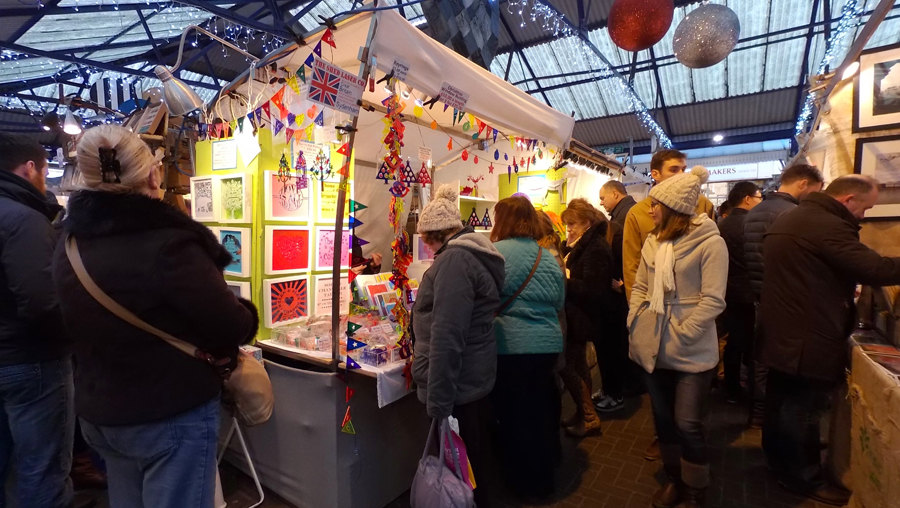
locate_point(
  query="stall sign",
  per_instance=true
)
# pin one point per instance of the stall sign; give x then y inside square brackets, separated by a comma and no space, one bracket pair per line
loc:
[400,70]
[424,154]
[750,171]
[454,97]
[335,88]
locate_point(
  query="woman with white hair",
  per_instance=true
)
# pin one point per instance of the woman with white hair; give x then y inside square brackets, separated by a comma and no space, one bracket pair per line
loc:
[149,409]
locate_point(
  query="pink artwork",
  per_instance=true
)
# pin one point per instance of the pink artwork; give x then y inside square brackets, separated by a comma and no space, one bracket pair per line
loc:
[325,249]
[287,198]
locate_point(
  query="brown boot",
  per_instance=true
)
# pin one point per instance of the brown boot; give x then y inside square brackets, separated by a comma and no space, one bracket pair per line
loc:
[572,420]
[652,451]
[84,475]
[670,494]
[693,498]
[590,422]
[696,479]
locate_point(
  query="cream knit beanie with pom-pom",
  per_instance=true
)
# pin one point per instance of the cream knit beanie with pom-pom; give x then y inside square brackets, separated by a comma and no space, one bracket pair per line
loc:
[681,192]
[442,212]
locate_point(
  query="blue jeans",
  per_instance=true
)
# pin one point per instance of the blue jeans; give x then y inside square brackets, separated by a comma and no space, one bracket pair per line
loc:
[37,424]
[680,405]
[169,463]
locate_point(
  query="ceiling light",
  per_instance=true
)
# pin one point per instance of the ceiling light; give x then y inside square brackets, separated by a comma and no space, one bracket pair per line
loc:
[71,126]
[718,137]
[50,121]
[850,71]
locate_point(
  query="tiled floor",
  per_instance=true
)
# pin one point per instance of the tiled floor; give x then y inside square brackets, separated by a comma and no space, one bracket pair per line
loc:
[610,471]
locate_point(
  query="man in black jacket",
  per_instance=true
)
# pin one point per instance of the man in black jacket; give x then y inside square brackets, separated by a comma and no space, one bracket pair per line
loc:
[740,317]
[35,367]
[813,260]
[797,182]
[615,199]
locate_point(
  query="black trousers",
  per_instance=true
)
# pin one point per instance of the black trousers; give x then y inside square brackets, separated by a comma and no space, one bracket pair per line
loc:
[527,407]
[794,409]
[611,344]
[740,321]
[474,429]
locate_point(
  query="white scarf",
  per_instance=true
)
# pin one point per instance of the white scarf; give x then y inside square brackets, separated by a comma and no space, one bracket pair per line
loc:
[665,276]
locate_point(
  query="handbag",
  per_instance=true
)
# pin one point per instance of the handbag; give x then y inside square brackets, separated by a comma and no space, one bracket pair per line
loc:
[515,295]
[247,387]
[435,485]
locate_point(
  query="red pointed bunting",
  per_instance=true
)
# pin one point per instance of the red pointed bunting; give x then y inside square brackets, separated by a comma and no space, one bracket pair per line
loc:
[266,109]
[350,392]
[351,276]
[328,38]
[344,149]
[278,101]
[346,415]
[345,170]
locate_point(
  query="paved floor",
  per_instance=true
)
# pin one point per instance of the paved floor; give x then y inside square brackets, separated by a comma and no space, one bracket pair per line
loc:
[610,471]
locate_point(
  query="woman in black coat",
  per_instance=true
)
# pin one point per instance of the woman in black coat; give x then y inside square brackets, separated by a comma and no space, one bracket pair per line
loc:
[150,410]
[588,295]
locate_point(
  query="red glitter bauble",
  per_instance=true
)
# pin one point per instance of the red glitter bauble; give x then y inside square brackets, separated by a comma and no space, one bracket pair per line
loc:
[635,25]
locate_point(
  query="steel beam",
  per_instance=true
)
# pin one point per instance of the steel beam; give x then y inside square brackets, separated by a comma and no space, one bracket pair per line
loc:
[659,91]
[236,18]
[50,8]
[804,68]
[150,36]
[512,37]
[36,16]
[303,12]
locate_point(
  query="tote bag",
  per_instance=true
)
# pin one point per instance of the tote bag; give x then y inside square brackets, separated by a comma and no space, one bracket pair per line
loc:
[436,485]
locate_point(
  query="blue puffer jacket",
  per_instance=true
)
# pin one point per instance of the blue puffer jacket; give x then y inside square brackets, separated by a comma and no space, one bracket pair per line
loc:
[530,325]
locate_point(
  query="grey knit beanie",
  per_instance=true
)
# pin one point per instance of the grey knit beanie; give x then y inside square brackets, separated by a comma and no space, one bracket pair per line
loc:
[681,192]
[442,212]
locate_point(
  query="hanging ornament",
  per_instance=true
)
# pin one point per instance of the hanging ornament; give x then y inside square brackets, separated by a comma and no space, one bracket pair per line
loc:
[506,157]
[399,190]
[476,159]
[496,155]
[408,176]
[706,36]
[321,168]
[384,173]
[417,111]
[491,168]
[424,177]
[636,25]
[509,174]
[495,135]
[450,144]
[434,125]
[465,155]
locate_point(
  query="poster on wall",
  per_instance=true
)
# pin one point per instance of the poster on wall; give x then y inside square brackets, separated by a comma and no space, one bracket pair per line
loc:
[286,198]
[879,158]
[325,248]
[326,201]
[324,292]
[204,202]
[421,252]
[286,300]
[287,249]
[224,154]
[236,198]
[237,241]
[240,289]
[876,90]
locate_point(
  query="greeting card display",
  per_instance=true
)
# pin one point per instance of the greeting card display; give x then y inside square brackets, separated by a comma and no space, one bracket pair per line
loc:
[240,289]
[287,249]
[324,292]
[286,198]
[236,198]
[325,248]
[286,300]
[238,243]
[204,198]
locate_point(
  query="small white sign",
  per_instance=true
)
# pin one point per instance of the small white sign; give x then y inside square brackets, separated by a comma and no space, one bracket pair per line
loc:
[224,154]
[454,97]
[424,154]
[325,292]
[401,70]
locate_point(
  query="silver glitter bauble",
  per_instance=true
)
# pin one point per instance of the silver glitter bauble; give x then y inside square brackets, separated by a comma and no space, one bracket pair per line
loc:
[706,36]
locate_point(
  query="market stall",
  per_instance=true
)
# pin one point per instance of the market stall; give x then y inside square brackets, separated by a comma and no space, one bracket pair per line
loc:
[322,154]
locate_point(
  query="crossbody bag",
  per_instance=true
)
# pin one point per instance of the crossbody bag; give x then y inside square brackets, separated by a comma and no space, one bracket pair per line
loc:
[515,295]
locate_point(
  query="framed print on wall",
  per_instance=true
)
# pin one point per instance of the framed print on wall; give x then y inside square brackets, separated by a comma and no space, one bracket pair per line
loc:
[288,249]
[236,198]
[325,248]
[876,90]
[204,202]
[240,289]
[879,158]
[286,300]
[287,198]
[239,243]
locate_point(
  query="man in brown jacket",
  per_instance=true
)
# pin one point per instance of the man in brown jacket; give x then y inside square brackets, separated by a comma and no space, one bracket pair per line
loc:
[638,225]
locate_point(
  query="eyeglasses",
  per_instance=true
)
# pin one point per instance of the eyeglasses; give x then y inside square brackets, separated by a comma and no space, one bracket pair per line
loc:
[758,196]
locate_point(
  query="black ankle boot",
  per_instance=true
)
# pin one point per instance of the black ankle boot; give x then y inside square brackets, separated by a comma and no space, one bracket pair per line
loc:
[670,494]
[693,498]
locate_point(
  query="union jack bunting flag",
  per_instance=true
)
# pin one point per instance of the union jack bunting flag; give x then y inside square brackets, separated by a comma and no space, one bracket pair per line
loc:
[323,88]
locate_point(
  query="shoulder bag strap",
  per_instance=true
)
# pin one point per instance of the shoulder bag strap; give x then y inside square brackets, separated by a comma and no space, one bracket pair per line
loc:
[515,295]
[123,313]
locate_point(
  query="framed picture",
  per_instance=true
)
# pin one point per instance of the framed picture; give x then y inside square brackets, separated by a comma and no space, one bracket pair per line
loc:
[535,187]
[236,198]
[326,201]
[287,199]
[240,289]
[879,158]
[204,198]
[239,243]
[324,292]
[287,249]
[286,300]
[325,248]
[421,252]
[876,90]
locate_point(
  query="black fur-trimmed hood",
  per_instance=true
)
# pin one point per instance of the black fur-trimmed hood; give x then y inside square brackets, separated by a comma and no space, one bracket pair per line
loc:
[95,214]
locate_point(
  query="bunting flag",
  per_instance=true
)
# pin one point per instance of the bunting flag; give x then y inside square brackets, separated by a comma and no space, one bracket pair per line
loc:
[310,60]
[345,170]
[495,135]
[292,119]
[278,100]
[355,223]
[359,241]
[348,429]
[354,344]
[454,116]
[344,149]
[310,132]
[350,393]
[278,126]
[328,38]
[258,114]
[351,276]
[292,82]
[351,363]
[356,206]
[450,144]
[318,50]
[288,135]
[301,73]
[218,130]
[320,120]
[346,417]
[267,111]
[201,130]
[352,327]
[240,122]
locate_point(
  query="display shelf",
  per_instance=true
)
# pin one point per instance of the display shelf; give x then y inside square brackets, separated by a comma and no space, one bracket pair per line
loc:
[471,198]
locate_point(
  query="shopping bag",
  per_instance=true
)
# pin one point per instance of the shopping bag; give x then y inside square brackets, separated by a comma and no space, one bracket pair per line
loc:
[465,466]
[436,485]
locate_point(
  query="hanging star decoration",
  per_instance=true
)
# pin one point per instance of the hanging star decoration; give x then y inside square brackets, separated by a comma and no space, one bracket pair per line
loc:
[491,168]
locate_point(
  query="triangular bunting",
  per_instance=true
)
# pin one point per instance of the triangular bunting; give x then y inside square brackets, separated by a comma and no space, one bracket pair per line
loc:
[356,206]
[359,241]
[288,134]
[267,110]
[320,120]
[292,82]
[350,393]
[354,344]
[351,276]
[318,49]
[351,364]
[348,429]
[355,223]
[352,327]
[240,122]
[328,38]
[344,149]
[346,417]
[278,127]
[310,60]
[278,100]
[345,170]
[302,74]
